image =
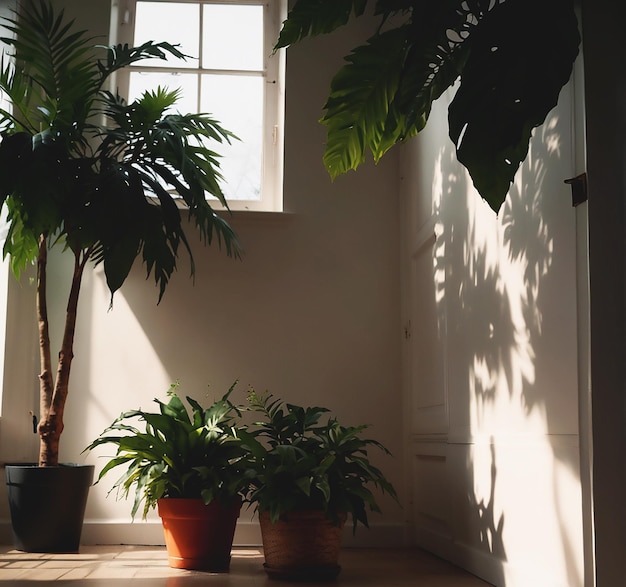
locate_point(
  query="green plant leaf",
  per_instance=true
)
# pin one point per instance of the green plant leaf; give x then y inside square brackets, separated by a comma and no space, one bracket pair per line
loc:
[314,17]
[299,462]
[358,104]
[512,58]
[511,81]
[178,456]
[304,484]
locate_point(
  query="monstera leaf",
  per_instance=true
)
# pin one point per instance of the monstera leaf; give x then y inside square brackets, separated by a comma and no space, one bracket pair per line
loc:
[510,59]
[521,57]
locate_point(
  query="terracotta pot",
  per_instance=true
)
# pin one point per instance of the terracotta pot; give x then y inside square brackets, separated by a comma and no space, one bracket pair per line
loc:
[199,536]
[302,546]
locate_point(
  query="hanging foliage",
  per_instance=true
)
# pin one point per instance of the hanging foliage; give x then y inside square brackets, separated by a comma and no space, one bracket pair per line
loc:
[510,59]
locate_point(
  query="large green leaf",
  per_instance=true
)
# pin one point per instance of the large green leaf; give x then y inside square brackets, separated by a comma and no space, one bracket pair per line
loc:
[511,81]
[358,105]
[437,49]
[512,57]
[314,17]
[20,244]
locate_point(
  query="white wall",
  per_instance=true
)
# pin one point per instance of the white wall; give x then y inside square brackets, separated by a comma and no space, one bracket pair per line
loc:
[491,362]
[311,313]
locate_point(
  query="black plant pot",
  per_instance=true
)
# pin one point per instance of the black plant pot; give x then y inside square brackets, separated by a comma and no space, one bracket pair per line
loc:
[47,505]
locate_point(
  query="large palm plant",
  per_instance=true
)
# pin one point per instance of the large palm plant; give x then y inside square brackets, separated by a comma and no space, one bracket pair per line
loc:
[81,168]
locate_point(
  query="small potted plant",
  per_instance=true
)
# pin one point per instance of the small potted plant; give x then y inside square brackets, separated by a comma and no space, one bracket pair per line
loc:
[192,467]
[308,477]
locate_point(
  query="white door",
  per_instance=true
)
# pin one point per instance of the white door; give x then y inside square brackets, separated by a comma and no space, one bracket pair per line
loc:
[491,359]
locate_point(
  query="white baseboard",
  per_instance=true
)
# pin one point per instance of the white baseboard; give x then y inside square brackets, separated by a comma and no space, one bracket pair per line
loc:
[247,533]
[483,565]
[487,566]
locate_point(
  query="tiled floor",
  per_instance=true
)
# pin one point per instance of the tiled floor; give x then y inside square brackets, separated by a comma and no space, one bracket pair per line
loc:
[136,566]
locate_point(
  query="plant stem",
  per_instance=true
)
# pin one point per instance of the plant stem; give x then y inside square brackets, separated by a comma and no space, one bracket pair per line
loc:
[53,401]
[45,376]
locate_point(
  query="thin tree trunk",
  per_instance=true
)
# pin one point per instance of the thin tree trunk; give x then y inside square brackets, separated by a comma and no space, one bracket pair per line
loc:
[45,376]
[53,400]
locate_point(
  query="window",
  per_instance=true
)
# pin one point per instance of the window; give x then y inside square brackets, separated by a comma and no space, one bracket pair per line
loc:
[230,74]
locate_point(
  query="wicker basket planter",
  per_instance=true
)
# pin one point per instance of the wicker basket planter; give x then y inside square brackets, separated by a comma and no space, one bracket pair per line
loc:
[301,546]
[308,476]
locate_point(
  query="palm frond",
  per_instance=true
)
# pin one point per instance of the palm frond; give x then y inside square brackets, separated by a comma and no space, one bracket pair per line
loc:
[119,56]
[17,88]
[315,17]
[56,60]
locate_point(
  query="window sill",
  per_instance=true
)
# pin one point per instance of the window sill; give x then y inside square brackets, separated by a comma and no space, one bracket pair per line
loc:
[241,214]
[255,216]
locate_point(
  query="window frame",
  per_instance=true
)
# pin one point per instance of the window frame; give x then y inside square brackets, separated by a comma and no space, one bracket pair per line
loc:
[273,72]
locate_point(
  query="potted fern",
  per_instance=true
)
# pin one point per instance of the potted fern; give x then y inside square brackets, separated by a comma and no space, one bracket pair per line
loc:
[107,182]
[308,476]
[192,468]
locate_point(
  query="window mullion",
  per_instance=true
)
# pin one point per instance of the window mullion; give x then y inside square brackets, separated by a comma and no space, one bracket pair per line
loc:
[200,57]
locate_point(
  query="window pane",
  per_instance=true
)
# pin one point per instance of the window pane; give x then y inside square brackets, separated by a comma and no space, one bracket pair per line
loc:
[174,22]
[237,103]
[232,37]
[187,82]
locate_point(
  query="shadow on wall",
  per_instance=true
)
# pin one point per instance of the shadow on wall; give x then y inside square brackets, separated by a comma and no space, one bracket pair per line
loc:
[506,303]
[474,315]
[483,516]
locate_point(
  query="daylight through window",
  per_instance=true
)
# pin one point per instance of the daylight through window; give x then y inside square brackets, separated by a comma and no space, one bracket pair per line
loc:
[230,74]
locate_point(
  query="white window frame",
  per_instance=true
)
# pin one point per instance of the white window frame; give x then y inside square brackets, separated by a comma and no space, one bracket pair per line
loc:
[274,11]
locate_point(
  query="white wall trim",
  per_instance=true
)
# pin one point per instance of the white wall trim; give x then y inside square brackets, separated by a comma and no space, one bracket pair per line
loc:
[511,439]
[247,533]
[488,567]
